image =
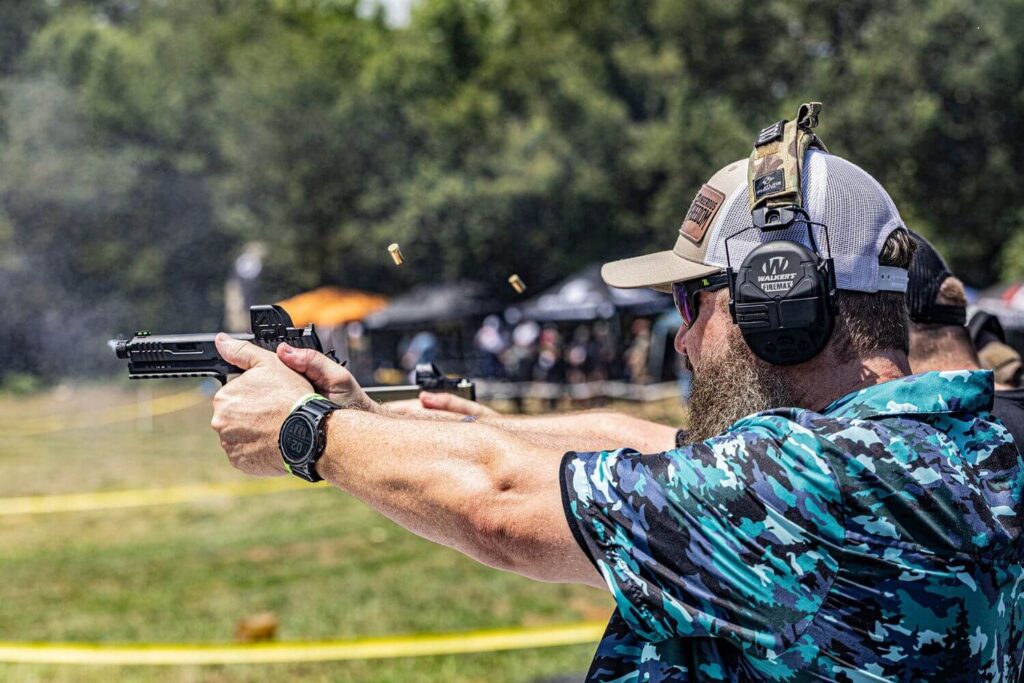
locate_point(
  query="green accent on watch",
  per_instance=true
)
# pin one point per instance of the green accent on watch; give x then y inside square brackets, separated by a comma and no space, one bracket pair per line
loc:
[304,400]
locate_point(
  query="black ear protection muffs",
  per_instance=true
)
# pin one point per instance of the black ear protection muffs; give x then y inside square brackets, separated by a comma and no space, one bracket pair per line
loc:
[783,294]
[783,299]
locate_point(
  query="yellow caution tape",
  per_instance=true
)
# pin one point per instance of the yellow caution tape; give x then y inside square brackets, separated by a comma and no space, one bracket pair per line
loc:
[152,654]
[112,500]
[128,412]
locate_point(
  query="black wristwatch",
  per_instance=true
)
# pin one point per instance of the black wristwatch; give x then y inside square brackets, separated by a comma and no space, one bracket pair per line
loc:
[303,436]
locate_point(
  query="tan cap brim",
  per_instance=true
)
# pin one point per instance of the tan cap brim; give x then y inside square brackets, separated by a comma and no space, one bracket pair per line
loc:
[657,271]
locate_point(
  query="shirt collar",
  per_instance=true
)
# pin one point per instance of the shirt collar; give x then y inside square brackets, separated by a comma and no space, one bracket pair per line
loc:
[930,392]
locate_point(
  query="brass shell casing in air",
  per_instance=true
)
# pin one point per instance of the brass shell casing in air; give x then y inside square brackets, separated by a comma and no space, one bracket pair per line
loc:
[396,254]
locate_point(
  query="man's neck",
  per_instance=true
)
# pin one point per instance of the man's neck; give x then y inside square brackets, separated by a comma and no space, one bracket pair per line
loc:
[817,387]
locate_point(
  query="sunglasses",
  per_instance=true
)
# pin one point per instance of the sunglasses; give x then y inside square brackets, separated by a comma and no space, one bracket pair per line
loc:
[686,295]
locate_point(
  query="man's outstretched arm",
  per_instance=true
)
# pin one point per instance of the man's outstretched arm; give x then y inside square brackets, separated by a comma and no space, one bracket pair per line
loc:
[476,488]
[587,430]
[473,487]
[592,430]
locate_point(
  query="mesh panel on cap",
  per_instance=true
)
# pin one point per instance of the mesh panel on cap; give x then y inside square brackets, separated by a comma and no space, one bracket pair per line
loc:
[858,212]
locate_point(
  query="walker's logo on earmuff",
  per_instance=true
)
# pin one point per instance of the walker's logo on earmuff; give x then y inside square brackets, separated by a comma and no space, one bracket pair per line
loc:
[774,265]
[775,277]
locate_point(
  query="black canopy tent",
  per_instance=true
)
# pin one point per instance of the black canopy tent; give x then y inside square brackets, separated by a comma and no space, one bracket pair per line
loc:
[584,296]
[451,311]
[432,304]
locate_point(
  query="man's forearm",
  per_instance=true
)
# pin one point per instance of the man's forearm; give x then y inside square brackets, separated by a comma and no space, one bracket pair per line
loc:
[589,430]
[592,430]
[488,493]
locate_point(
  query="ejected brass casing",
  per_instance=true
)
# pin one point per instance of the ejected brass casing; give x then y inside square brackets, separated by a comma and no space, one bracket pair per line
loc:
[396,254]
[517,283]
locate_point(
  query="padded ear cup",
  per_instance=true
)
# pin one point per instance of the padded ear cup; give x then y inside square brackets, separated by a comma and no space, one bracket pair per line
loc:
[782,300]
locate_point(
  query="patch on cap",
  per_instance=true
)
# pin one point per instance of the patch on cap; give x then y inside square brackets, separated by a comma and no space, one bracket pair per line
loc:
[702,211]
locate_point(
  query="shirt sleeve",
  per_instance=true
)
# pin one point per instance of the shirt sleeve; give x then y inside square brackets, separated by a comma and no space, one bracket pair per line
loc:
[735,537]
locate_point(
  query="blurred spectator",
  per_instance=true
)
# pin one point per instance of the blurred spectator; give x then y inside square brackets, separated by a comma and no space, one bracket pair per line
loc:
[994,353]
[939,339]
[1003,360]
[519,358]
[242,288]
[639,349]
[423,348]
[360,360]
[490,343]
[576,356]
[550,366]
[603,352]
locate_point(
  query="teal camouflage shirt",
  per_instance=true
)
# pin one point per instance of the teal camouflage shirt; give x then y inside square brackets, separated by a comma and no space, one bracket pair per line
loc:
[876,540]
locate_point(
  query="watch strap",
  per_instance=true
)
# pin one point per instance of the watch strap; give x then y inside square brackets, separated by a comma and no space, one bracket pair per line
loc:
[306,399]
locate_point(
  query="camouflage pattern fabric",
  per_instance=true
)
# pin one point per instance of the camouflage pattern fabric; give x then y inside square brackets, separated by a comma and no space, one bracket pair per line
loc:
[774,168]
[876,540]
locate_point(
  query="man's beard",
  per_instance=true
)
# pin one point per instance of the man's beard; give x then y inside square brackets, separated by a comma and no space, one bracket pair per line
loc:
[732,385]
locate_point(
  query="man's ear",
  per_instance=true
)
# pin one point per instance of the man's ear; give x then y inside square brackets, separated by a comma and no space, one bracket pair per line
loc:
[951,292]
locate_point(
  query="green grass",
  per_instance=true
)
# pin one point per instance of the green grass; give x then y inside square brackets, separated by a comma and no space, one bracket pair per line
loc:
[325,564]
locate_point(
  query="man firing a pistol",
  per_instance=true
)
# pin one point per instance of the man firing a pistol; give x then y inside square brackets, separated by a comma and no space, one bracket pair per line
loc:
[830,518]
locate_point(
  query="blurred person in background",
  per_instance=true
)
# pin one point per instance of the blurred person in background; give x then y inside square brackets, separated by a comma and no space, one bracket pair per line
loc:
[550,365]
[994,353]
[490,343]
[603,352]
[1003,360]
[518,360]
[422,348]
[577,356]
[868,530]
[939,337]
[638,351]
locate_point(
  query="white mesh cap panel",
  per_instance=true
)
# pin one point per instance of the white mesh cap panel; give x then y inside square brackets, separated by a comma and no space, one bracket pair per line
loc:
[859,214]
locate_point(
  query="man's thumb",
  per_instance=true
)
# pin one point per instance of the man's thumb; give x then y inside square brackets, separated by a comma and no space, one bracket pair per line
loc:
[320,370]
[239,353]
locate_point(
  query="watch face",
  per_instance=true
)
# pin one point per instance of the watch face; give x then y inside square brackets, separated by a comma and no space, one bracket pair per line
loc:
[297,439]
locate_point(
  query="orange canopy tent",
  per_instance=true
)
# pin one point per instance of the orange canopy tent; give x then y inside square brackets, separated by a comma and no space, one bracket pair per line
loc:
[331,306]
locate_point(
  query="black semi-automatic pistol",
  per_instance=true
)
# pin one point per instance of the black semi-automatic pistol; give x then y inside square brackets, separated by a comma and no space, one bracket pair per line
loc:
[195,355]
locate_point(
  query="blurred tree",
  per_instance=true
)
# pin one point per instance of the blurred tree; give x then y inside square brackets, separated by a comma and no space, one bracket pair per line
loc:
[105,182]
[305,142]
[19,20]
[929,102]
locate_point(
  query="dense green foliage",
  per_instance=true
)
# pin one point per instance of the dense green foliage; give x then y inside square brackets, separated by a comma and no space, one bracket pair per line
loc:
[142,142]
